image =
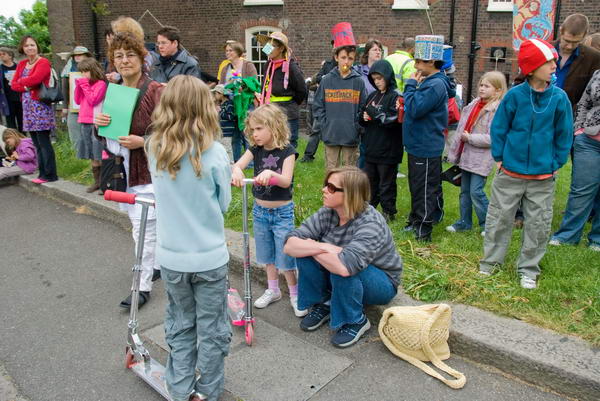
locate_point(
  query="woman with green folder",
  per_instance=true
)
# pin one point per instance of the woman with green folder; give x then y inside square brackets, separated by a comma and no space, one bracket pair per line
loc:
[127,54]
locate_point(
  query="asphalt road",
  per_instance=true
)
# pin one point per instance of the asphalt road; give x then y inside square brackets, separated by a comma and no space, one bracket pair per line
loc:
[62,334]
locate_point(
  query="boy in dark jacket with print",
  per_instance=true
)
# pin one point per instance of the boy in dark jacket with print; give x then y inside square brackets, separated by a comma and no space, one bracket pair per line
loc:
[338,100]
[382,138]
[426,96]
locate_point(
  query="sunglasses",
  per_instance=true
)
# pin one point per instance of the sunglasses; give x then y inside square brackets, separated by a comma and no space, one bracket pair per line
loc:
[332,188]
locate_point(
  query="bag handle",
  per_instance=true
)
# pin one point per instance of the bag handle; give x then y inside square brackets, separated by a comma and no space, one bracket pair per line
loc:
[437,362]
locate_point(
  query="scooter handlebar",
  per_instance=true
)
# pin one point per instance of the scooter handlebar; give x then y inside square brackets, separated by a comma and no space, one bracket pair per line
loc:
[118,196]
[272,181]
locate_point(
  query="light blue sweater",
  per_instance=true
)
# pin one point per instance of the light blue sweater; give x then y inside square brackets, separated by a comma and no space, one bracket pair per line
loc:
[189,212]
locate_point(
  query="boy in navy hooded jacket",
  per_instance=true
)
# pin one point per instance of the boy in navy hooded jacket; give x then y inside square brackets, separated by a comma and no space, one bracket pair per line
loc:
[426,95]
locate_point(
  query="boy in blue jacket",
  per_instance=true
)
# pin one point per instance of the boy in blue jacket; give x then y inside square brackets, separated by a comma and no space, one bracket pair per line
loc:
[426,96]
[532,133]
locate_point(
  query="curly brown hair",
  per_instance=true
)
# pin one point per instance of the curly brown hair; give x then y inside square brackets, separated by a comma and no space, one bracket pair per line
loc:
[126,41]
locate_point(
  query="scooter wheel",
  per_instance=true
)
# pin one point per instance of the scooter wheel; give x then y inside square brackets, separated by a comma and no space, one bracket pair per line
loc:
[128,358]
[249,333]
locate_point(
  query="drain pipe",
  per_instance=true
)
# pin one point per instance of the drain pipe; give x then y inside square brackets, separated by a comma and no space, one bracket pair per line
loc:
[451,33]
[557,19]
[95,34]
[474,48]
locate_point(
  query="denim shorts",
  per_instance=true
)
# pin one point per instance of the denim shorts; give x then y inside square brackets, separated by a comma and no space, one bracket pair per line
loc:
[271,225]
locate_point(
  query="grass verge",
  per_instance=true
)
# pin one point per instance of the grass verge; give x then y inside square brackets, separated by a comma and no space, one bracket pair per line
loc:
[568,296]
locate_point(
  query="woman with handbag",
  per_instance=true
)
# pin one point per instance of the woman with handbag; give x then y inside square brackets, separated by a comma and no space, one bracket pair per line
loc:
[32,75]
[346,258]
[127,54]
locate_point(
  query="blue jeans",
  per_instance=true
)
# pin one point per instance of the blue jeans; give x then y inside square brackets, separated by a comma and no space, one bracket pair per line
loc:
[584,195]
[294,128]
[271,225]
[348,295]
[237,140]
[472,196]
[198,331]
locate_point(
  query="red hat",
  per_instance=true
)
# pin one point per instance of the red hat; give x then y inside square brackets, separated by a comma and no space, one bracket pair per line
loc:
[534,53]
[342,35]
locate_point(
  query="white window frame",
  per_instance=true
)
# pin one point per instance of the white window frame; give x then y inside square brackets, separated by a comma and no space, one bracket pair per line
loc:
[263,2]
[410,5]
[500,6]
[249,35]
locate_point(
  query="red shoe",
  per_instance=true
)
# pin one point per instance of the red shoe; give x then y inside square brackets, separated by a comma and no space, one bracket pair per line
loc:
[39,181]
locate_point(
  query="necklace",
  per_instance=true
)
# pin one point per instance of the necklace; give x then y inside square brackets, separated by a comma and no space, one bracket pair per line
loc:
[533,106]
[31,63]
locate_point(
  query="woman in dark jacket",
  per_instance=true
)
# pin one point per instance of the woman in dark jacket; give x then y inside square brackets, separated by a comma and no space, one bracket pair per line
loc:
[38,117]
[382,138]
[283,81]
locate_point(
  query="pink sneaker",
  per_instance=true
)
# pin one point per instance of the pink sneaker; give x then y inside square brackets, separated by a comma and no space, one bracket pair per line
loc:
[39,181]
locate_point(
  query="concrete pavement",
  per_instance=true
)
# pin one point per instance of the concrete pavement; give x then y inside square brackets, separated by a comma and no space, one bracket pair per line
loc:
[564,364]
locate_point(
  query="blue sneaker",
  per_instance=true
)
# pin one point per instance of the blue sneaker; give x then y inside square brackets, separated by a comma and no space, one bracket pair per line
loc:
[318,315]
[350,333]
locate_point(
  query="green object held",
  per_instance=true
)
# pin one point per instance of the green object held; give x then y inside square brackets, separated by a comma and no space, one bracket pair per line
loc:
[243,90]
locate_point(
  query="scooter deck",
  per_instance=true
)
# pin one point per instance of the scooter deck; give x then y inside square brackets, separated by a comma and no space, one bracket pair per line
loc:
[154,376]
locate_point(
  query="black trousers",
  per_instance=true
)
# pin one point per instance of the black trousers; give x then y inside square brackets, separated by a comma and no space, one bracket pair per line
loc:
[382,178]
[427,201]
[15,118]
[312,145]
[45,155]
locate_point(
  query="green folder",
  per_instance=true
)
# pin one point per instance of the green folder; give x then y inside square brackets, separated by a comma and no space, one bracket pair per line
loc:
[119,104]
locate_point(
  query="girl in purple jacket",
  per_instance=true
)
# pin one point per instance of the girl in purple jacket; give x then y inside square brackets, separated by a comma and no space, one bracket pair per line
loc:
[21,158]
[470,149]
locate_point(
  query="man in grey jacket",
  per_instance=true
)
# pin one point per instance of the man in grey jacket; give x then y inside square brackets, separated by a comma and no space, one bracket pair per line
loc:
[173,59]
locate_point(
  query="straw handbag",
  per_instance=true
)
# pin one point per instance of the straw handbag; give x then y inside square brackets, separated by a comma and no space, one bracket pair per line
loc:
[420,333]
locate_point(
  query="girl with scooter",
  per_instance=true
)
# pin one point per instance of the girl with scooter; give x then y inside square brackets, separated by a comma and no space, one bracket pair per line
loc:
[273,212]
[191,176]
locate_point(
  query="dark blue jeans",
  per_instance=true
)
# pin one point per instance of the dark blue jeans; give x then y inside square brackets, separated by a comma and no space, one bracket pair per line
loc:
[472,196]
[237,140]
[348,295]
[294,128]
[584,195]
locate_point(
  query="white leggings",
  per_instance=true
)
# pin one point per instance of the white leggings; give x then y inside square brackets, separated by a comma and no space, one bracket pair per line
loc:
[148,263]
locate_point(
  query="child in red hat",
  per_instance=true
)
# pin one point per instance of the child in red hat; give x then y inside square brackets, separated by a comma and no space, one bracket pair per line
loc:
[531,135]
[338,100]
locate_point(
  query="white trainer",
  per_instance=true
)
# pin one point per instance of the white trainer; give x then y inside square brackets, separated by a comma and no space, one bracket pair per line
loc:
[267,298]
[594,247]
[297,312]
[483,233]
[528,283]
[451,229]
[554,242]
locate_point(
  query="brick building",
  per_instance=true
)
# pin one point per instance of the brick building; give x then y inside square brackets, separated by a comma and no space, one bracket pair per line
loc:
[205,25]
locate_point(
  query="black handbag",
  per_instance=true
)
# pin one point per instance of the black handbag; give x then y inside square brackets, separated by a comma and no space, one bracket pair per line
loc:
[51,93]
[112,174]
[453,175]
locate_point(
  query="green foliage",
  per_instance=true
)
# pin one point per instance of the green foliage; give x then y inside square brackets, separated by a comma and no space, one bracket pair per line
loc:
[32,22]
[99,7]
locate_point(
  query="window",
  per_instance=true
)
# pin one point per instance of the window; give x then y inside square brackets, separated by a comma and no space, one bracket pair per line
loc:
[500,5]
[263,2]
[410,5]
[254,49]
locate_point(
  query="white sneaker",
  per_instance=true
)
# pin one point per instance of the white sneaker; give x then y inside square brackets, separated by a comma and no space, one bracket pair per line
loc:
[485,273]
[554,242]
[451,229]
[528,283]
[594,247]
[268,297]
[400,175]
[483,233]
[297,312]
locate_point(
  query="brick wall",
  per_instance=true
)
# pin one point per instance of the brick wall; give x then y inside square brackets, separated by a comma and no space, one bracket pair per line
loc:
[206,25]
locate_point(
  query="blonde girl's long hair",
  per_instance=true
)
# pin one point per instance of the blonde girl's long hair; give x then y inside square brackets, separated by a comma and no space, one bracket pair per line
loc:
[185,122]
[498,81]
[12,133]
[275,119]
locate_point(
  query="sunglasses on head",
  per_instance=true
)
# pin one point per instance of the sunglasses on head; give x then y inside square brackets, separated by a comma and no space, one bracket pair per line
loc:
[332,188]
